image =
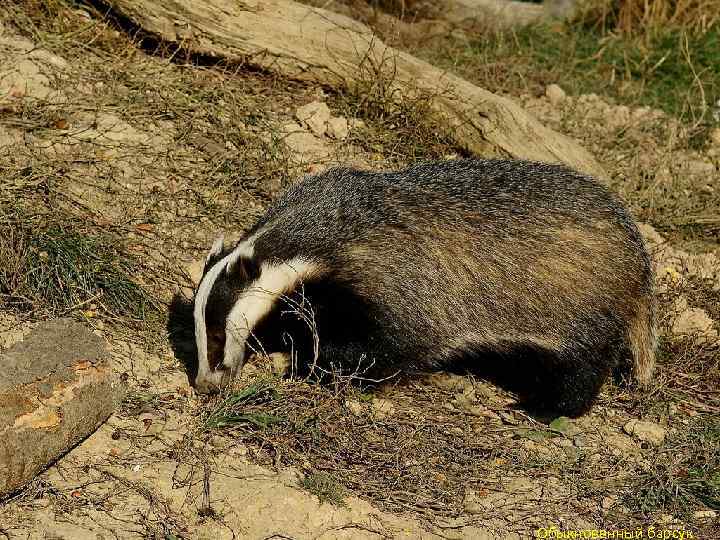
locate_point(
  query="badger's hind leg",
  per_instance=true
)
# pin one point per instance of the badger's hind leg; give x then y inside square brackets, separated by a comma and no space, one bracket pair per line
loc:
[570,380]
[564,380]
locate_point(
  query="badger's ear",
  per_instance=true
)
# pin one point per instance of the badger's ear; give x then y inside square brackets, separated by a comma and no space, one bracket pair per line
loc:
[216,248]
[215,252]
[241,268]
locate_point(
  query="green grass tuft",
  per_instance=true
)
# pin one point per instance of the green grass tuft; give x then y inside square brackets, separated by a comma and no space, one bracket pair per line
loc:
[325,488]
[59,268]
[687,475]
[232,409]
[671,70]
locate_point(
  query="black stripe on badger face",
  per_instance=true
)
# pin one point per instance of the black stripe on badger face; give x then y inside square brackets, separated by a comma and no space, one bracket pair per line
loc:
[224,295]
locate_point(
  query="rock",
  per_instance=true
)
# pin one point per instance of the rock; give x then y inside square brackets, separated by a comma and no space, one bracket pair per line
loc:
[646,431]
[328,50]
[355,407]
[338,128]
[695,322]
[315,116]
[56,388]
[473,504]
[649,233]
[555,94]
[305,146]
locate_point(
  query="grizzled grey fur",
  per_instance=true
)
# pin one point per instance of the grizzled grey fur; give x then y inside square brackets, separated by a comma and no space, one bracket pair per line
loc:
[479,263]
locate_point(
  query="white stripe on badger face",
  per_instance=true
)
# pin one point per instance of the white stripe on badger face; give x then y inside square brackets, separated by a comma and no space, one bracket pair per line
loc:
[256,302]
[246,248]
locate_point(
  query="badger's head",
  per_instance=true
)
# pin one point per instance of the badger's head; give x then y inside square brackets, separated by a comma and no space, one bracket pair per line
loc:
[236,292]
[220,328]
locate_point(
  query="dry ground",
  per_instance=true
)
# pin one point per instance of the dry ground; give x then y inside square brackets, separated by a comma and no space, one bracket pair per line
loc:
[120,163]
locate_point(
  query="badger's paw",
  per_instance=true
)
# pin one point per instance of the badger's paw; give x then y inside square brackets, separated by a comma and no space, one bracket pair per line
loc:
[211,382]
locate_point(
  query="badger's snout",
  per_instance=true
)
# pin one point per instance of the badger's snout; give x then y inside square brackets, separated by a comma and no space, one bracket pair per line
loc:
[213,381]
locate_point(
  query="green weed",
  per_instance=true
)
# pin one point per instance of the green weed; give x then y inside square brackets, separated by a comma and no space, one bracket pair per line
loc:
[234,410]
[325,488]
[686,473]
[61,268]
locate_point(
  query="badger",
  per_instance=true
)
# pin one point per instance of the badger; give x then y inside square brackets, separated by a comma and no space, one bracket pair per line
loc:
[468,261]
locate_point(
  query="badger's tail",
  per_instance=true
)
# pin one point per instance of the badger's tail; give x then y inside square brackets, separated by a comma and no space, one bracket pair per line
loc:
[642,341]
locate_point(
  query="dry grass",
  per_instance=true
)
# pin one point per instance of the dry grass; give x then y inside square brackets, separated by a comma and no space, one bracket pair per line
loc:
[419,458]
[638,17]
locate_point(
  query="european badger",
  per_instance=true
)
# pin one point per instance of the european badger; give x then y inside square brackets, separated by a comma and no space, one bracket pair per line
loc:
[466,261]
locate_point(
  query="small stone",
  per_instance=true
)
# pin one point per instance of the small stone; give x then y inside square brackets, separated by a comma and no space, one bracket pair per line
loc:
[217,441]
[280,363]
[555,94]
[355,407]
[315,116]
[195,270]
[705,514]
[649,233]
[338,128]
[646,431]
[714,136]
[474,507]
[695,321]
[382,407]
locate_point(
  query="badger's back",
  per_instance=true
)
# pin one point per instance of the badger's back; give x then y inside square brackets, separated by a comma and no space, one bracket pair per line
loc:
[471,258]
